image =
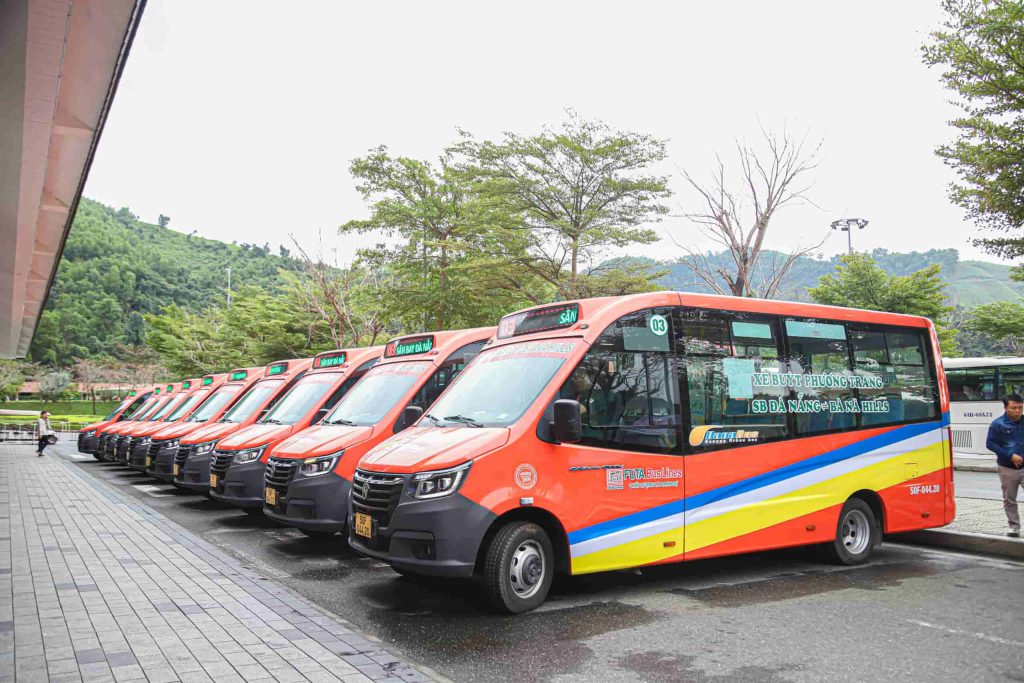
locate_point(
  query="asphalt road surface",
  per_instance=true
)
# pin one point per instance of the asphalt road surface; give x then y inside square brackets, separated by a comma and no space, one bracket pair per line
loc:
[911,614]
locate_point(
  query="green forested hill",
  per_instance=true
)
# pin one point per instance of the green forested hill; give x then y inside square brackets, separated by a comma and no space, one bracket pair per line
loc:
[969,283]
[116,268]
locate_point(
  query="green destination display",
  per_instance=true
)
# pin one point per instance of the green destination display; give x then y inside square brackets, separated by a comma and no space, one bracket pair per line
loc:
[239,374]
[157,390]
[331,361]
[170,387]
[539,320]
[410,346]
[184,385]
[277,368]
[207,380]
[131,393]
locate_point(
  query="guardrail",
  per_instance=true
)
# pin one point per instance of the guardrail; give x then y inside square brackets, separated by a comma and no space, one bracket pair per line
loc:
[28,432]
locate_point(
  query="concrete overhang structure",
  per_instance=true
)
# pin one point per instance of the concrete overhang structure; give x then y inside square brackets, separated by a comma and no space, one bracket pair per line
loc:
[60,62]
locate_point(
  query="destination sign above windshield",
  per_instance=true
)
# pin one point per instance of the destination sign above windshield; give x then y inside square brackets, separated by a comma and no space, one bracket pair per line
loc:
[539,320]
[409,346]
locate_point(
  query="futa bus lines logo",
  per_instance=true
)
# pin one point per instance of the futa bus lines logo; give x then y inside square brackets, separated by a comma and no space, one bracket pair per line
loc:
[526,476]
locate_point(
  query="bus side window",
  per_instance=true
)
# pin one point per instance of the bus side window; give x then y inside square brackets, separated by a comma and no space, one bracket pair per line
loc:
[896,361]
[626,387]
[1011,380]
[730,363]
[445,373]
[820,354]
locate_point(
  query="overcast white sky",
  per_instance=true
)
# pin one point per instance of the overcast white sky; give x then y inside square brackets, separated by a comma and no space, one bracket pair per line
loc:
[239,119]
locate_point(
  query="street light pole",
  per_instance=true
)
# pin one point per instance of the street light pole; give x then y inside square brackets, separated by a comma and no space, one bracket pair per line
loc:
[847,225]
[229,285]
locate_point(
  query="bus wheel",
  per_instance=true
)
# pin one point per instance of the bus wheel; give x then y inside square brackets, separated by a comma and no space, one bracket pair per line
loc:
[857,533]
[98,456]
[518,567]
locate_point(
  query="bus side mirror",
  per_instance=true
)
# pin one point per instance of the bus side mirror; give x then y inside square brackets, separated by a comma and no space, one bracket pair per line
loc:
[409,416]
[568,422]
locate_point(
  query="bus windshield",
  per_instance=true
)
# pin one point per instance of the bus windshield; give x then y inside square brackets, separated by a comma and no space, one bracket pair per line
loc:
[214,403]
[186,405]
[251,402]
[165,407]
[306,393]
[498,387]
[139,412]
[376,393]
[124,404]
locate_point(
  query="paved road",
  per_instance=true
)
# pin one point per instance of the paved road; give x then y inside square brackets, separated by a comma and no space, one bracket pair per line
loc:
[912,613]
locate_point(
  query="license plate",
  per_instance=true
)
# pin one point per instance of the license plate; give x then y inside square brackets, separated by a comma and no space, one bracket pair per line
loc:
[270,495]
[149,462]
[213,481]
[364,525]
[175,470]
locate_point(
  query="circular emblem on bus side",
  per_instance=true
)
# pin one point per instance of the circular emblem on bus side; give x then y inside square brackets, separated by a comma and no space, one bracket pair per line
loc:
[526,476]
[658,324]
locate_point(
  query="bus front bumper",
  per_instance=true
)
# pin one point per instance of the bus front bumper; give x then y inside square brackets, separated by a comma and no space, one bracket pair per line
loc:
[241,484]
[312,503]
[87,444]
[439,537]
[160,461]
[194,473]
[137,458]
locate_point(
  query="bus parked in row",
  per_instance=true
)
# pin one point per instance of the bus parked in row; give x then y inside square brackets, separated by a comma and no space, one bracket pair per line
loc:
[977,387]
[137,438]
[87,436]
[616,432]
[309,475]
[191,468]
[237,463]
[163,443]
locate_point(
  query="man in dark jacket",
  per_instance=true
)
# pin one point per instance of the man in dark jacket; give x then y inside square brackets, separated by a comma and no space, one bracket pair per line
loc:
[1006,440]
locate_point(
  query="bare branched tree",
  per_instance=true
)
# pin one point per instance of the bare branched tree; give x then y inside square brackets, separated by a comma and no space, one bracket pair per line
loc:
[331,294]
[738,219]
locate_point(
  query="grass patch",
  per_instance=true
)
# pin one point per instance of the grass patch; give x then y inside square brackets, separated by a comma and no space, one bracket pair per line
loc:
[64,407]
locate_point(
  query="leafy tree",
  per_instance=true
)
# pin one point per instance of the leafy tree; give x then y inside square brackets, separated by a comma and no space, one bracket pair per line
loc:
[858,282]
[436,278]
[981,49]
[1001,320]
[11,378]
[53,383]
[557,202]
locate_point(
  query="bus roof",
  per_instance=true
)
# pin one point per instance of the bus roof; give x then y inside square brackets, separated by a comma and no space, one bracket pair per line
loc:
[592,316]
[344,359]
[427,345]
[287,367]
[989,362]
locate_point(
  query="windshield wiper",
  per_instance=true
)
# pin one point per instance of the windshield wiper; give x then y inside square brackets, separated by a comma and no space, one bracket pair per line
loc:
[340,421]
[272,421]
[433,418]
[463,419]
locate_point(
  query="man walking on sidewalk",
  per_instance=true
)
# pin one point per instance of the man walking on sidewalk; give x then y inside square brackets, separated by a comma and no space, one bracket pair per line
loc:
[1006,440]
[45,432]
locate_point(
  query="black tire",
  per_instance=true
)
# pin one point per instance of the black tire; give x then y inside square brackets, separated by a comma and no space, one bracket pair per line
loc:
[318,535]
[857,534]
[98,457]
[525,547]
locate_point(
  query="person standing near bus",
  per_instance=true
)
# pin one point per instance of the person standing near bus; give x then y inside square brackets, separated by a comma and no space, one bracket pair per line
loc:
[45,432]
[1006,440]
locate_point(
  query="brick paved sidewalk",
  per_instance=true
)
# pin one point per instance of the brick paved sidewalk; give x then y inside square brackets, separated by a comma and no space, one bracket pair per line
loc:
[96,587]
[980,516]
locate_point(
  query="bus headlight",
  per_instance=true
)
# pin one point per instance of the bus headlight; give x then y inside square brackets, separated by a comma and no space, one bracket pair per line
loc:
[314,467]
[144,441]
[249,454]
[205,448]
[91,432]
[440,483]
[170,443]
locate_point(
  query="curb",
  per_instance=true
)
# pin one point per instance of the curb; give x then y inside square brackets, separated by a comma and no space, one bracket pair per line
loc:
[983,544]
[964,467]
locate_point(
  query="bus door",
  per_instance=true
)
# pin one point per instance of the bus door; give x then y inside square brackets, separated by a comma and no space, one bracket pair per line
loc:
[625,478]
[727,362]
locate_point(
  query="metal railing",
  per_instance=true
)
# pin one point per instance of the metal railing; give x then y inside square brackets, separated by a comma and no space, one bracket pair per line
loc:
[28,432]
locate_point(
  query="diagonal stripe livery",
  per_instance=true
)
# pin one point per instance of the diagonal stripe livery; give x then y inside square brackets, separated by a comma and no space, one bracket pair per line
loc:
[744,507]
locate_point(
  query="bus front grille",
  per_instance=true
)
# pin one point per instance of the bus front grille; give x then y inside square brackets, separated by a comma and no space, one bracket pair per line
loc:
[376,494]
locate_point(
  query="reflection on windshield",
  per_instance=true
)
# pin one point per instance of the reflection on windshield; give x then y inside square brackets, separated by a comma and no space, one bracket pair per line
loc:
[143,409]
[376,393]
[308,392]
[187,405]
[251,402]
[165,407]
[498,387]
[214,403]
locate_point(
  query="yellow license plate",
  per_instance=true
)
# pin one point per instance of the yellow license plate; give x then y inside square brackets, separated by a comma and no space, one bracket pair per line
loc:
[149,461]
[175,470]
[213,481]
[364,525]
[270,495]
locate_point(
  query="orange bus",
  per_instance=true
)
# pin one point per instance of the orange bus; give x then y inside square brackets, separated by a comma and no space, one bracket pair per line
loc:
[122,441]
[616,432]
[236,466]
[176,410]
[106,436]
[210,403]
[88,436]
[192,458]
[309,475]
